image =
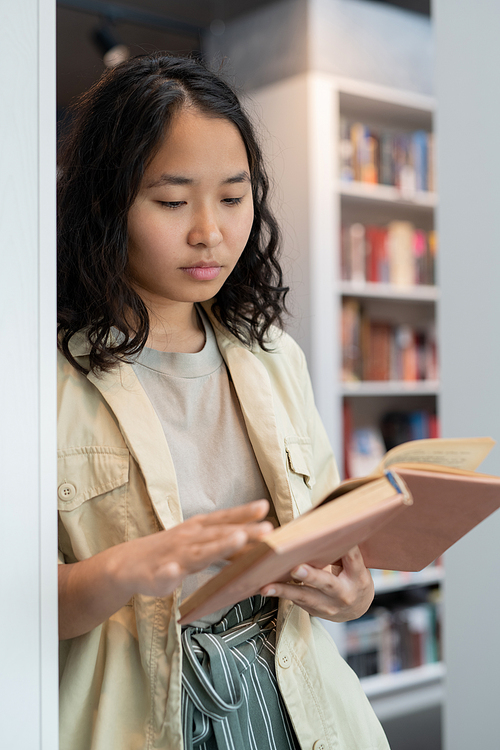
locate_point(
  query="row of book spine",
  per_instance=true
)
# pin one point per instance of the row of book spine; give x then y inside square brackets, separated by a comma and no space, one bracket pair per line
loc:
[398,253]
[378,350]
[388,640]
[382,156]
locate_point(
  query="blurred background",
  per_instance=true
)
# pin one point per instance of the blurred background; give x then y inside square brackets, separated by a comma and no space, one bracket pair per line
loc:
[379,122]
[343,95]
[179,26]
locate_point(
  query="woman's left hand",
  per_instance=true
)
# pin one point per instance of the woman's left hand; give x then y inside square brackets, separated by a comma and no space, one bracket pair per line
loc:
[338,592]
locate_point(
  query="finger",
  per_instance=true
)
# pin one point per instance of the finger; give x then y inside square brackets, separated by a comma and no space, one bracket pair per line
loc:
[248,513]
[256,533]
[353,562]
[310,599]
[197,534]
[198,557]
[259,530]
[321,579]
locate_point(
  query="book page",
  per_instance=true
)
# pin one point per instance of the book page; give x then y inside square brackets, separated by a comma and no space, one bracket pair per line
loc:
[457,453]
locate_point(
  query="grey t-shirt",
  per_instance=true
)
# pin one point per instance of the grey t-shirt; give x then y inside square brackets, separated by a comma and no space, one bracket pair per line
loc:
[214,461]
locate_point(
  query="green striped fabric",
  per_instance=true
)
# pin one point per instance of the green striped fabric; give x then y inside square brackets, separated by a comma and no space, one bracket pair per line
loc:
[230,697]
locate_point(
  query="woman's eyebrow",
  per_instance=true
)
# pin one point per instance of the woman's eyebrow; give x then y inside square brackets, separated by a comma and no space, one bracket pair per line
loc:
[170,179]
[175,179]
[240,177]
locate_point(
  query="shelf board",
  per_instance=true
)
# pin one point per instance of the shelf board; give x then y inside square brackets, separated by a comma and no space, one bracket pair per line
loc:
[368,92]
[407,691]
[391,388]
[366,192]
[400,581]
[417,293]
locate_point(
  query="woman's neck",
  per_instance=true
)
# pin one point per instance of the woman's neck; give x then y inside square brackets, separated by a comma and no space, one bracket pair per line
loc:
[176,328]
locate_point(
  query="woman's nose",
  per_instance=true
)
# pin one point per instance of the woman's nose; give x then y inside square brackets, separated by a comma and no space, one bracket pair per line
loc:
[205,230]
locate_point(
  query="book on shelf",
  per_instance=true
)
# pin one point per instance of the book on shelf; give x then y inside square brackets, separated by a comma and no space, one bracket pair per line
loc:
[402,634]
[386,157]
[351,340]
[398,254]
[422,498]
[381,351]
[365,445]
[400,427]
[364,449]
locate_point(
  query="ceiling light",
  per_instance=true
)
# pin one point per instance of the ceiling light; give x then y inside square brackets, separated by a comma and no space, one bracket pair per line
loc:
[113,52]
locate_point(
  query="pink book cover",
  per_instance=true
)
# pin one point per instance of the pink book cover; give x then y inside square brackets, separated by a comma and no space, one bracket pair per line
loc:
[445,507]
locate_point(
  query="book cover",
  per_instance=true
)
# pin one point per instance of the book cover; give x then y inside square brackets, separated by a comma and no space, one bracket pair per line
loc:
[422,498]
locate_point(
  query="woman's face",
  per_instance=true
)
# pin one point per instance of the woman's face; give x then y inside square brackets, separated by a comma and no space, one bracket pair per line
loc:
[193,214]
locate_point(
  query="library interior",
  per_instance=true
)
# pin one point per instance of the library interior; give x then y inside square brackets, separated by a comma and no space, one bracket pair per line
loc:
[377,122]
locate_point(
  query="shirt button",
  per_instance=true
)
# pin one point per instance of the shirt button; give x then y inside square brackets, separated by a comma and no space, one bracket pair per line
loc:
[66,491]
[284,661]
[319,745]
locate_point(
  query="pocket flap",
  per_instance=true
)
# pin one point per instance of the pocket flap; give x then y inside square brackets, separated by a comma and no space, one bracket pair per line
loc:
[88,472]
[299,454]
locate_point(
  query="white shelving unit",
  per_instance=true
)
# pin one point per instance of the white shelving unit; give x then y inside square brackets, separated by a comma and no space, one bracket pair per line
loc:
[405,692]
[416,689]
[391,388]
[301,117]
[400,581]
[378,204]
[423,293]
[362,192]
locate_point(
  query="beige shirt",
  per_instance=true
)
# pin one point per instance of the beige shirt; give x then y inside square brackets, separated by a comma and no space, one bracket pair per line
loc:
[201,417]
[120,685]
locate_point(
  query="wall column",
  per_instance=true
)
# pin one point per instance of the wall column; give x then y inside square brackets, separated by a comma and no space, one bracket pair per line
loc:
[28,521]
[468,61]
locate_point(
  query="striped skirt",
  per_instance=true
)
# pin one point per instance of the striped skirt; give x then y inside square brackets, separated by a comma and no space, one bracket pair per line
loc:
[230,697]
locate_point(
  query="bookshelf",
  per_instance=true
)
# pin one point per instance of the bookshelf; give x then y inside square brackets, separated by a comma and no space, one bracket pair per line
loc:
[388,581]
[302,118]
[422,293]
[362,193]
[407,691]
[390,387]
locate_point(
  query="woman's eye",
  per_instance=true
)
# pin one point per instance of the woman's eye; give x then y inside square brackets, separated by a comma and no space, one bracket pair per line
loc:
[232,201]
[172,204]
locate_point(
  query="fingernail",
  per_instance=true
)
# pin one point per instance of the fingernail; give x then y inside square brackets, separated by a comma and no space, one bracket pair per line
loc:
[300,573]
[266,527]
[269,592]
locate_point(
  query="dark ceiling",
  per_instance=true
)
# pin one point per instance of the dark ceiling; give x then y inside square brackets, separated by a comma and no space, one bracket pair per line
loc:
[146,29]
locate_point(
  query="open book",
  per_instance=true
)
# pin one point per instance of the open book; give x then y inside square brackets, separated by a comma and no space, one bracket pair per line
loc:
[422,498]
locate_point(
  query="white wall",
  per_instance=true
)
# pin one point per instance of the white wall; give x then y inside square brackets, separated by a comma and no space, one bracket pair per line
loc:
[28,624]
[468,69]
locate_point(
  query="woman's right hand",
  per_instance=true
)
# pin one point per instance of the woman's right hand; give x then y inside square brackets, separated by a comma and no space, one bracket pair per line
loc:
[92,590]
[155,565]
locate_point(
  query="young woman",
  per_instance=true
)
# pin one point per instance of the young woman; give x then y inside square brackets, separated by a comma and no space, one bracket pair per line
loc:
[186,418]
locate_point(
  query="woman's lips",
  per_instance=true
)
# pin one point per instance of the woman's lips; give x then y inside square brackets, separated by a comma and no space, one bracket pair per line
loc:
[203,273]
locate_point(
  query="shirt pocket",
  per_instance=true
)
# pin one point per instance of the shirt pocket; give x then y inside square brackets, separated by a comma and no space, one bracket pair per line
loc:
[92,498]
[300,468]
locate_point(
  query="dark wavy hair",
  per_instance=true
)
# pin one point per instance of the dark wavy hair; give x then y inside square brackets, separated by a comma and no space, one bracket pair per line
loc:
[116,129]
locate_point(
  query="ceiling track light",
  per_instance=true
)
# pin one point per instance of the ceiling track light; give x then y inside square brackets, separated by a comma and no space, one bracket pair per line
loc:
[112,50]
[116,13]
